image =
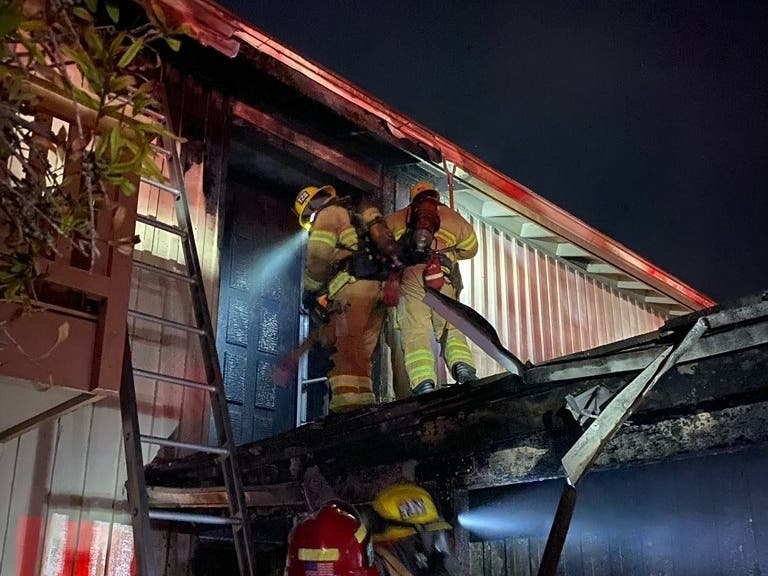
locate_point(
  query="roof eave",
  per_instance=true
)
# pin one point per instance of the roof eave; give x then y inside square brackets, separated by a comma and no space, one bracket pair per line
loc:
[213,26]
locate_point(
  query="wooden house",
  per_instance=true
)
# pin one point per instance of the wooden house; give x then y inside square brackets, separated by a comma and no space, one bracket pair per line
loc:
[260,122]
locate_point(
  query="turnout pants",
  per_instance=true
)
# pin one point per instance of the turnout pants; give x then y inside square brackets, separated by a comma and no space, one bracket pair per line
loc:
[418,322]
[356,325]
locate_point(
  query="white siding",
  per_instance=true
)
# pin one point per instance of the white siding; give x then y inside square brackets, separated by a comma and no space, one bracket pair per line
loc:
[543,307]
[62,486]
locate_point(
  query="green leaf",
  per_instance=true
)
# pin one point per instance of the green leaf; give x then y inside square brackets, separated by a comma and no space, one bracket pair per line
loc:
[183,30]
[10,18]
[92,5]
[84,62]
[121,83]
[82,13]
[150,169]
[131,146]
[155,128]
[117,170]
[93,40]
[113,109]
[131,53]
[113,10]
[114,141]
[84,98]
[173,43]
[117,43]
[33,25]
[127,187]
[101,147]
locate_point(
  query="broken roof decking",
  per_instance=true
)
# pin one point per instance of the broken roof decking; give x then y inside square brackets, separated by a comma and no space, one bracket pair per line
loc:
[523,212]
[500,431]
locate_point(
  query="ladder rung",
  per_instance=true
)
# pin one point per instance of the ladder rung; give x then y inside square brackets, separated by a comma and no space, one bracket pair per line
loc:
[155,223]
[315,380]
[163,272]
[173,380]
[192,518]
[165,322]
[159,116]
[161,186]
[183,445]
[161,150]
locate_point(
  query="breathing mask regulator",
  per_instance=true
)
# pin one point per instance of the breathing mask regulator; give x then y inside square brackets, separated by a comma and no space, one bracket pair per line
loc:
[423,223]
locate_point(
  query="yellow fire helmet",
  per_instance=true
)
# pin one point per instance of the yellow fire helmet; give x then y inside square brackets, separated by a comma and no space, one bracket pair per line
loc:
[410,509]
[310,200]
[421,187]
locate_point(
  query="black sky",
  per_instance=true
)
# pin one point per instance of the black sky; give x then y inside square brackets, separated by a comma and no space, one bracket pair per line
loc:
[647,120]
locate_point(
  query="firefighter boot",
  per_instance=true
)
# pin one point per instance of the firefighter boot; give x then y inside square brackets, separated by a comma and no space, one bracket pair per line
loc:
[463,372]
[423,388]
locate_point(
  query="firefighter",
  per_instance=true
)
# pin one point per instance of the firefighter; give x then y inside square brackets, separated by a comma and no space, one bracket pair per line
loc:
[349,252]
[333,541]
[409,536]
[433,237]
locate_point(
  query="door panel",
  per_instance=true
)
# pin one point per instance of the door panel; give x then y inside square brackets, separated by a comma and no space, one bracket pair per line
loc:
[258,307]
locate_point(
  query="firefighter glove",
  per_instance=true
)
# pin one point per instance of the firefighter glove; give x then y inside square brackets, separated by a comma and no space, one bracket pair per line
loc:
[309,300]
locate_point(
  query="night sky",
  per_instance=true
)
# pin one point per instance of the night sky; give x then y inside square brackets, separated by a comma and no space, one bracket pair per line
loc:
[648,120]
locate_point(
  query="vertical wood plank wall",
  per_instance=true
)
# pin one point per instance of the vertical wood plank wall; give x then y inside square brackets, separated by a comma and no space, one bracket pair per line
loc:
[705,516]
[543,307]
[62,497]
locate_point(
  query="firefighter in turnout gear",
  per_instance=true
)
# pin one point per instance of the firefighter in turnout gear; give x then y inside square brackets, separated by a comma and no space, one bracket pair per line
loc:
[409,536]
[333,541]
[433,237]
[349,253]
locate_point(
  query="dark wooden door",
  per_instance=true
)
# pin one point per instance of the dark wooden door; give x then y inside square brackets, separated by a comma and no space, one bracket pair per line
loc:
[258,306]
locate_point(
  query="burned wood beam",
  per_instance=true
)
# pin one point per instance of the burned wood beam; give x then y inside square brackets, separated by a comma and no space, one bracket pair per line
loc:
[275,496]
[506,430]
[369,178]
[744,337]
[384,131]
[538,457]
[451,427]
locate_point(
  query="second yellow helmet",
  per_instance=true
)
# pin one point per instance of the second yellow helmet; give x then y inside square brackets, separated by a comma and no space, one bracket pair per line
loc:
[409,504]
[421,187]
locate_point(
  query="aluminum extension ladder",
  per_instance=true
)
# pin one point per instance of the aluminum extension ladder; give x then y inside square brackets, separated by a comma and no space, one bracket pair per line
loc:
[138,498]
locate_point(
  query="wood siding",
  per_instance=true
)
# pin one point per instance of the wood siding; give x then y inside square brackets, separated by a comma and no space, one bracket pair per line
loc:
[704,516]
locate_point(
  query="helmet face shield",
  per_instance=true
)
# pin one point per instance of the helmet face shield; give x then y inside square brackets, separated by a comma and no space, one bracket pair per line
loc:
[436,541]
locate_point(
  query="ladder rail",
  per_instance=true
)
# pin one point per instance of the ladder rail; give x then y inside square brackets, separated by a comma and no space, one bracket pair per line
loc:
[138,500]
[230,467]
[225,446]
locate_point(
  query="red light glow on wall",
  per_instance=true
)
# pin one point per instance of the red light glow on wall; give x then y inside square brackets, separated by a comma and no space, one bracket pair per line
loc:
[74,548]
